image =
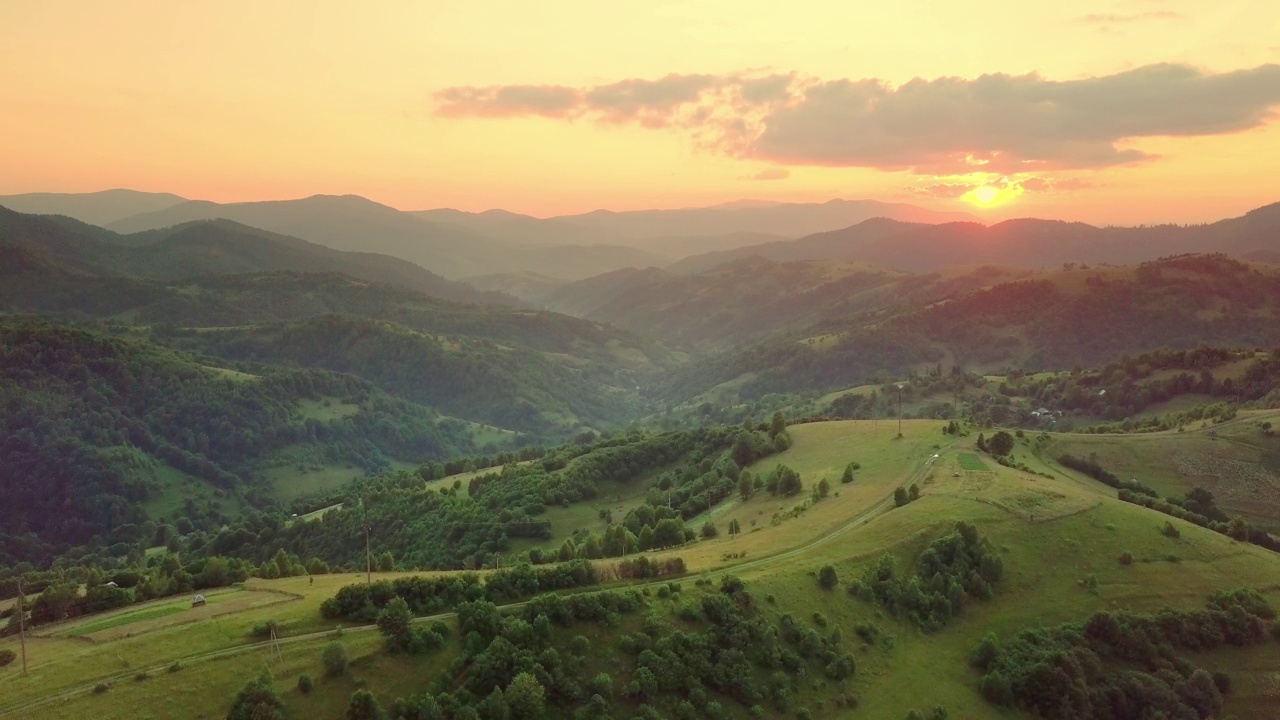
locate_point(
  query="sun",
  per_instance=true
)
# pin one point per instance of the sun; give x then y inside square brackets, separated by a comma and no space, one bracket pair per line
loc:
[992,195]
[985,195]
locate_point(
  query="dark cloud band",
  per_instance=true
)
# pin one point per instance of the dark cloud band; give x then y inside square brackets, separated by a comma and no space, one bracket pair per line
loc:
[994,123]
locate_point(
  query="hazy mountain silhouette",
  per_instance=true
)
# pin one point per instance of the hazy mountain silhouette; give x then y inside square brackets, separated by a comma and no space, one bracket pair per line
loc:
[354,223]
[213,247]
[97,208]
[1024,242]
[685,231]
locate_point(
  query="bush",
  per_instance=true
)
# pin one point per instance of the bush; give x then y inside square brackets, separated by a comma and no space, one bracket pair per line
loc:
[257,700]
[1169,530]
[305,684]
[6,657]
[176,666]
[334,658]
[141,676]
[827,577]
[101,688]
[1222,681]
[1126,558]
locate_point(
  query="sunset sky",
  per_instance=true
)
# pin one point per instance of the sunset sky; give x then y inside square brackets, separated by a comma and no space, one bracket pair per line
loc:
[1126,111]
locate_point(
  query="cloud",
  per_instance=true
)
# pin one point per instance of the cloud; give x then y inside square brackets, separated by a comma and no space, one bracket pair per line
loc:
[773,173]
[995,123]
[1119,18]
[1032,184]
[511,100]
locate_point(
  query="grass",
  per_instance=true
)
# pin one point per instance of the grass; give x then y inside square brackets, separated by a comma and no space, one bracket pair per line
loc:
[139,616]
[971,462]
[1051,533]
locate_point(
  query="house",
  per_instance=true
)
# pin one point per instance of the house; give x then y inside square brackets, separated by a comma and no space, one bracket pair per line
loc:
[197,601]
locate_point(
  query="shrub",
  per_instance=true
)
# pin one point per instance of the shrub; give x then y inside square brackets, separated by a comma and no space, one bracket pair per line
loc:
[141,676]
[1169,530]
[1126,558]
[264,628]
[176,666]
[1222,681]
[334,658]
[257,700]
[827,577]
[100,688]
[6,657]
[304,683]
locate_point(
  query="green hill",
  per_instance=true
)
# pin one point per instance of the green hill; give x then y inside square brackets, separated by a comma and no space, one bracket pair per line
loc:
[1053,321]
[838,606]
[98,428]
[477,379]
[214,247]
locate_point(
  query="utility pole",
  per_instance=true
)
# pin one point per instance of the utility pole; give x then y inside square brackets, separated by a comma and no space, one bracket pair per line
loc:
[22,626]
[899,409]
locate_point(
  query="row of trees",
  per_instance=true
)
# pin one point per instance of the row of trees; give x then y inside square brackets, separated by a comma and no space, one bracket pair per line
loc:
[1122,666]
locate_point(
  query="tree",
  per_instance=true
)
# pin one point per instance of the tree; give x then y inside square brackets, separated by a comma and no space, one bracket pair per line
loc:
[567,550]
[395,622]
[334,659]
[746,486]
[777,424]
[913,492]
[785,481]
[1000,444]
[827,577]
[709,530]
[363,706]
[982,443]
[824,488]
[386,563]
[668,533]
[525,697]
[734,527]
[257,700]
[900,497]
[847,477]
[743,452]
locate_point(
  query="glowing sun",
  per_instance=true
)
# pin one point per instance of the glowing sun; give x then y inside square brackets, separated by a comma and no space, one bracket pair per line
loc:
[985,196]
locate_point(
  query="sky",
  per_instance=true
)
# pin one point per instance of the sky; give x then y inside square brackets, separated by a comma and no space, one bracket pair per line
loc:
[1116,112]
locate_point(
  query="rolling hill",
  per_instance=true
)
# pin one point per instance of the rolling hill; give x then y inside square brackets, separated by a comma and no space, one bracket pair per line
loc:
[753,298]
[217,247]
[97,208]
[100,428]
[1027,243]
[352,223]
[1049,321]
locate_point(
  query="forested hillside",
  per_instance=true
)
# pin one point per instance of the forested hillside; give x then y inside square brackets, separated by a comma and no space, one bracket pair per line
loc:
[97,427]
[476,379]
[752,298]
[1082,316]
[214,247]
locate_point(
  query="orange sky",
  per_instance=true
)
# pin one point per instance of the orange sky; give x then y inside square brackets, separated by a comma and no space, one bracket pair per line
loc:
[255,100]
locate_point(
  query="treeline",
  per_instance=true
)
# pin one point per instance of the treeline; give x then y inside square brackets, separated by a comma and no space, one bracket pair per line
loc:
[60,597]
[954,570]
[1122,666]
[91,423]
[424,596]
[470,526]
[1198,506]
[1194,509]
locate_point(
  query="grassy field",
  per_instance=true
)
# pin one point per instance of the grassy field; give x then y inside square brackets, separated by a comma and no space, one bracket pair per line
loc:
[1051,532]
[971,462]
[1234,461]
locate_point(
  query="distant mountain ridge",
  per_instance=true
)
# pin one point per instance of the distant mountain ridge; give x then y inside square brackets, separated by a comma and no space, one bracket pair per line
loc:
[214,247]
[1026,242]
[96,208]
